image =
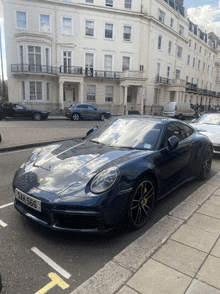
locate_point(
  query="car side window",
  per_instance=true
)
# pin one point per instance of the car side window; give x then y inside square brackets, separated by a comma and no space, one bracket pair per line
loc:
[91,108]
[172,130]
[185,131]
[82,106]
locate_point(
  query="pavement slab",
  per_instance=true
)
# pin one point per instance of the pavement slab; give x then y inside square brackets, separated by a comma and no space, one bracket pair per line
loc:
[210,210]
[127,290]
[198,287]
[196,238]
[216,250]
[184,210]
[156,278]
[209,273]
[180,257]
[204,222]
[201,194]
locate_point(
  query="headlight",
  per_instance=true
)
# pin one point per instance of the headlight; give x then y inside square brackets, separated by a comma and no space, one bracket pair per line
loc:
[34,154]
[104,180]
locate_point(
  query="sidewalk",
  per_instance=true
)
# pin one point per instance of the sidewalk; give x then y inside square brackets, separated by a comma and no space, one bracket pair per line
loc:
[179,255]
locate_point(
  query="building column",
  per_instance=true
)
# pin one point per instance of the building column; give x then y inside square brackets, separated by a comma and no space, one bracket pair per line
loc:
[61,94]
[142,100]
[81,92]
[125,112]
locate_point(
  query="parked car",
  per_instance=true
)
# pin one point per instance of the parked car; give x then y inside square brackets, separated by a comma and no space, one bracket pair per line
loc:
[86,111]
[115,174]
[179,110]
[18,110]
[209,125]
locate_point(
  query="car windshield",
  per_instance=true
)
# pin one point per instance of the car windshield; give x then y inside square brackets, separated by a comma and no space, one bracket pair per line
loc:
[131,133]
[213,119]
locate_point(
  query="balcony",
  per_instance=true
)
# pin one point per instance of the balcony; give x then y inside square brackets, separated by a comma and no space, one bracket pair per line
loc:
[133,74]
[162,80]
[176,6]
[102,74]
[195,90]
[33,68]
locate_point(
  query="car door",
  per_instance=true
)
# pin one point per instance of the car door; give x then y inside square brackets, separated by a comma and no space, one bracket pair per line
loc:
[93,112]
[83,111]
[174,164]
[19,110]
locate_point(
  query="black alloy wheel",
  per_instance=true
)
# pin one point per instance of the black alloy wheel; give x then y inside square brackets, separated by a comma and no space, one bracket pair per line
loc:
[142,203]
[102,117]
[75,116]
[37,116]
[206,163]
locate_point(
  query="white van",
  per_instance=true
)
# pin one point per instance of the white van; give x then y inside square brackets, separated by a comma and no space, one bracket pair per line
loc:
[179,110]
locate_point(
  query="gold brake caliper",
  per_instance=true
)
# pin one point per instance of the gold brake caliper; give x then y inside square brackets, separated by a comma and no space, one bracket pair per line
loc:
[145,191]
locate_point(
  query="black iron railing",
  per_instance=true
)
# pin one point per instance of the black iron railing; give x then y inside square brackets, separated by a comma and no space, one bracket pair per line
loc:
[202,91]
[34,68]
[162,80]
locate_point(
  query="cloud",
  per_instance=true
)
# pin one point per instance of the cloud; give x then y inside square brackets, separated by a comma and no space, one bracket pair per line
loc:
[206,17]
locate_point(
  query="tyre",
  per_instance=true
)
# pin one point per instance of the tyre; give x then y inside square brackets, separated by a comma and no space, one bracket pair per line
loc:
[142,203]
[37,116]
[102,117]
[206,163]
[75,116]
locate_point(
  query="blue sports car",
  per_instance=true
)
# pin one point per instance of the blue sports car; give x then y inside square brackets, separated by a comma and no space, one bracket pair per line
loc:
[115,174]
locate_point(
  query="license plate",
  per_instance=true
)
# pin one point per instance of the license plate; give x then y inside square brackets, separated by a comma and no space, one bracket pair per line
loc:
[165,114]
[28,200]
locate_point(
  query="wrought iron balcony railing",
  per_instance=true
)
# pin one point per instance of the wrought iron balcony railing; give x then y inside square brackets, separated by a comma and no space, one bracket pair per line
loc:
[196,90]
[34,68]
[162,80]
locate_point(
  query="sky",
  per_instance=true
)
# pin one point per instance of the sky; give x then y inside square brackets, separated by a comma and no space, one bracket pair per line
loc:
[204,13]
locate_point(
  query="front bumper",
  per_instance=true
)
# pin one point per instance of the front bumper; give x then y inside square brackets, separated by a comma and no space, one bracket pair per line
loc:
[68,114]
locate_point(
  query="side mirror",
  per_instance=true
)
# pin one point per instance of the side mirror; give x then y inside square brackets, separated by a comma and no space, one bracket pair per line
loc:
[172,143]
[91,130]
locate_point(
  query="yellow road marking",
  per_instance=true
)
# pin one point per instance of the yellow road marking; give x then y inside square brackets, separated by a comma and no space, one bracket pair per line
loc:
[56,280]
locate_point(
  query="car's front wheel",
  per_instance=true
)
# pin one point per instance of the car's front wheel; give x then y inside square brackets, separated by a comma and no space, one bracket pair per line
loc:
[37,116]
[142,203]
[75,116]
[206,163]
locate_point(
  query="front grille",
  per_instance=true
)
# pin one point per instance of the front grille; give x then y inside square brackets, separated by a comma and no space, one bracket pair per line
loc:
[78,221]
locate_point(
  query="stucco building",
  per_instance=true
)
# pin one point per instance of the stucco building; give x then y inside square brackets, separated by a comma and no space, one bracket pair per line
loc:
[119,55]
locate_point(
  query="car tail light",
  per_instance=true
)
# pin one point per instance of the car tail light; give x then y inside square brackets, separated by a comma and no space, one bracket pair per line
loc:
[175,108]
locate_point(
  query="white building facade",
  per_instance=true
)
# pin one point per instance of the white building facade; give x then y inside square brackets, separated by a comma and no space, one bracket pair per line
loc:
[118,55]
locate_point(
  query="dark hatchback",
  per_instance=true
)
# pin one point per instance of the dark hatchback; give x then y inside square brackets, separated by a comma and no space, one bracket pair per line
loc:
[17,110]
[86,111]
[116,174]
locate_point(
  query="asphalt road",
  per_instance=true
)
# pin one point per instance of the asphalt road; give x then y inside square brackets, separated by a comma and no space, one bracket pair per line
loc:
[73,258]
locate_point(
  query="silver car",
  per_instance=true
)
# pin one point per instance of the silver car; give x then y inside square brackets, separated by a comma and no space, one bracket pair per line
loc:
[86,111]
[209,124]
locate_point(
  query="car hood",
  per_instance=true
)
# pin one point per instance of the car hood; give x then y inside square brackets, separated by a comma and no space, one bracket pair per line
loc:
[57,167]
[211,131]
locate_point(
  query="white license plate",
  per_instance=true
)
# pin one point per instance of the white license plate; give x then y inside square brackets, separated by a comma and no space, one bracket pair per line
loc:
[165,114]
[28,200]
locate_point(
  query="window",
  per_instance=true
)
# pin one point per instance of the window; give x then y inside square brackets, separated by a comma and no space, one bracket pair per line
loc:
[190,43]
[195,46]
[44,23]
[168,72]
[109,3]
[34,58]
[129,96]
[89,64]
[187,79]
[188,60]
[203,66]
[127,33]
[179,51]
[141,67]
[67,61]
[109,93]
[213,57]
[21,20]
[181,30]
[109,31]
[108,60]
[23,90]
[205,52]
[209,55]
[159,42]
[35,90]
[125,63]
[161,16]
[66,26]
[128,4]
[199,64]
[48,91]
[89,1]
[170,47]
[212,70]
[208,69]
[89,28]
[171,23]
[158,69]
[21,54]
[200,49]
[91,93]
[194,62]
[178,73]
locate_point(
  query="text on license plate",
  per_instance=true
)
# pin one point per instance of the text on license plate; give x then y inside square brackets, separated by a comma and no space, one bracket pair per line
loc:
[28,200]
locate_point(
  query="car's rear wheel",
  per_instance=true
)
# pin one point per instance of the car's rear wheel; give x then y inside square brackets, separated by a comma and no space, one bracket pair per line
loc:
[75,116]
[206,163]
[37,116]
[102,117]
[142,203]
